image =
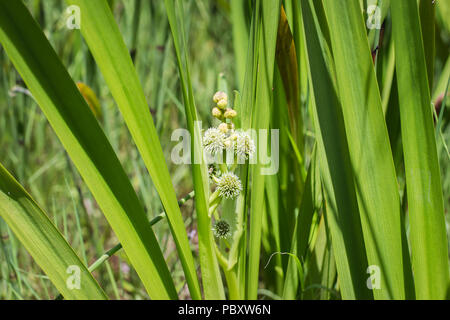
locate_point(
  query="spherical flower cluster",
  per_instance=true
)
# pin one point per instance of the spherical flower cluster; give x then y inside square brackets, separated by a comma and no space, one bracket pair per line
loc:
[245,147]
[213,141]
[222,229]
[229,185]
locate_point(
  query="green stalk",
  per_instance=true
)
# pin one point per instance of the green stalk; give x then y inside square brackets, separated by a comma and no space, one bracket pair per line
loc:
[211,278]
[261,116]
[240,36]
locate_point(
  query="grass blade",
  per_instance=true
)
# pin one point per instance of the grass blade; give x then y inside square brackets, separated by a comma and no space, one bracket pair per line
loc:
[424,189]
[427,21]
[370,154]
[337,176]
[212,281]
[108,48]
[261,115]
[43,241]
[85,142]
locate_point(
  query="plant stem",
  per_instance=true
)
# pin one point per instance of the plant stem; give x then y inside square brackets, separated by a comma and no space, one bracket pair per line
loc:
[230,275]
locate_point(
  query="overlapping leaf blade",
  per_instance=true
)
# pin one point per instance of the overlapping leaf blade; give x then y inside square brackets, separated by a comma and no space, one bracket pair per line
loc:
[43,240]
[423,182]
[334,158]
[85,142]
[212,282]
[108,48]
[370,154]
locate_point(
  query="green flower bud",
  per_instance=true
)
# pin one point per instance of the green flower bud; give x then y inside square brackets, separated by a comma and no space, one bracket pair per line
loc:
[217,113]
[220,95]
[230,114]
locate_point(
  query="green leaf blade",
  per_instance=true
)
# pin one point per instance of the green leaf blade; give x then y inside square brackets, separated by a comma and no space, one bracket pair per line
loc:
[43,241]
[85,142]
[103,37]
[424,189]
[370,154]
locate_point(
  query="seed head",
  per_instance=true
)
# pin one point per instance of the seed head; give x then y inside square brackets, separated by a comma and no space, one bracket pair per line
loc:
[220,95]
[222,229]
[229,185]
[245,146]
[213,141]
[230,114]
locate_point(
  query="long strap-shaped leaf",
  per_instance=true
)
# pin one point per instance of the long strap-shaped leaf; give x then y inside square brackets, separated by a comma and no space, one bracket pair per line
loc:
[212,281]
[85,142]
[370,155]
[108,48]
[261,115]
[423,183]
[43,241]
[337,176]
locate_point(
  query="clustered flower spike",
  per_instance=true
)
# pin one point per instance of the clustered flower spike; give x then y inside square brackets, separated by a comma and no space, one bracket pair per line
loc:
[222,229]
[245,147]
[221,100]
[214,141]
[229,185]
[237,144]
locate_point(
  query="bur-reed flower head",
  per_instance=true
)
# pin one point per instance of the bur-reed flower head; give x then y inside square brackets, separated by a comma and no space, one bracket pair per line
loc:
[245,147]
[222,229]
[213,141]
[229,185]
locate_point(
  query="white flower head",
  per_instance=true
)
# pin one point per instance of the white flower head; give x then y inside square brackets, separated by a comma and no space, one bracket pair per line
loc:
[245,147]
[213,141]
[229,144]
[229,185]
